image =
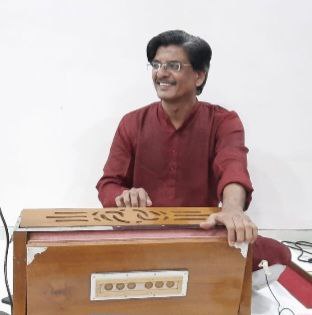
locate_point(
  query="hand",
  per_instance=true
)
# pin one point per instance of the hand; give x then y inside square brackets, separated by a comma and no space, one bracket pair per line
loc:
[239,226]
[134,197]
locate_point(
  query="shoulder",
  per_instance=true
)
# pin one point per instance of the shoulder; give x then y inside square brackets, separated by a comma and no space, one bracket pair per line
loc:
[139,114]
[215,109]
[218,113]
[131,123]
[221,119]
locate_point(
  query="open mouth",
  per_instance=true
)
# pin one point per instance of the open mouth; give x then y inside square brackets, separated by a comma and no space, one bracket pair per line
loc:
[165,83]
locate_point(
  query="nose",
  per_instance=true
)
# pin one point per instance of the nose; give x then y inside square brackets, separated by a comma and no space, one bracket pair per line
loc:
[162,71]
[163,66]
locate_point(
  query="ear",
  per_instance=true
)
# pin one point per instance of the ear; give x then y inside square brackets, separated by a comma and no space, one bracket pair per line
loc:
[200,77]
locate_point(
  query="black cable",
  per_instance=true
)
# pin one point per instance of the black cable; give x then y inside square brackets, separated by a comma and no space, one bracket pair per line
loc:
[6,259]
[279,304]
[299,246]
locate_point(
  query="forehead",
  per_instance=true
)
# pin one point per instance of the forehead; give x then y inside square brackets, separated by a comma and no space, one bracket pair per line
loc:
[171,52]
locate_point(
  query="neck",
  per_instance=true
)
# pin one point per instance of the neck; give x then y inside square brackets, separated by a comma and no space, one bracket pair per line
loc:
[178,111]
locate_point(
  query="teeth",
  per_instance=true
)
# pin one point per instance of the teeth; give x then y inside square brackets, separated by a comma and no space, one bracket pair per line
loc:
[164,84]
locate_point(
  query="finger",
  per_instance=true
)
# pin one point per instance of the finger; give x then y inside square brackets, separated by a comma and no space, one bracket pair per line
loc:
[230,226]
[239,228]
[126,198]
[251,230]
[209,223]
[119,201]
[142,197]
[248,231]
[227,221]
[148,201]
[134,198]
[254,233]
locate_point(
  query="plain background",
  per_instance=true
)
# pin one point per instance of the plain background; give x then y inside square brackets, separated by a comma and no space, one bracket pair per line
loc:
[69,70]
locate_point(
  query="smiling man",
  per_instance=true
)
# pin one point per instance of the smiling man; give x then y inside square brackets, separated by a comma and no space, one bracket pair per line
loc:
[180,151]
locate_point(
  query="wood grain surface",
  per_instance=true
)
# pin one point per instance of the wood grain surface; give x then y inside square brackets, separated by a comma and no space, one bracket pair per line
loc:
[116,217]
[19,273]
[58,280]
[52,271]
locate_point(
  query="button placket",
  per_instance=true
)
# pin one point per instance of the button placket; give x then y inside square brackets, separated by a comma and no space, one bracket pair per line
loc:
[172,166]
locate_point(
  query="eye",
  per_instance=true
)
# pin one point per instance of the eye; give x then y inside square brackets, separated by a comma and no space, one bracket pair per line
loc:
[155,65]
[174,65]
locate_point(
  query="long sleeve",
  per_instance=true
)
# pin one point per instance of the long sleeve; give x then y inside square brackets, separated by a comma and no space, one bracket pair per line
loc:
[230,162]
[118,169]
[189,166]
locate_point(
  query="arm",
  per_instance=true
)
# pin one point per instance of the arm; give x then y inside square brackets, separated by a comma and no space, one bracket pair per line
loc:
[234,185]
[114,187]
[230,161]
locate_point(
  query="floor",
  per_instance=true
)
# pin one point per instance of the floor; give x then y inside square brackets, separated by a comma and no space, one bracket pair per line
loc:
[263,301]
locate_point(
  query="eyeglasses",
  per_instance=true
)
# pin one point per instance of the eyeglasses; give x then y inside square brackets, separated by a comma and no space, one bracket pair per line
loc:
[173,66]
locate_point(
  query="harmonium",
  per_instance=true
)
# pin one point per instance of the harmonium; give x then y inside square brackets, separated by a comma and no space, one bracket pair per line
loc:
[127,261]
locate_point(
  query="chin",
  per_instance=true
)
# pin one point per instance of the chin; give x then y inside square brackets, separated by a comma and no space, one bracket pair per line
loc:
[165,95]
[165,98]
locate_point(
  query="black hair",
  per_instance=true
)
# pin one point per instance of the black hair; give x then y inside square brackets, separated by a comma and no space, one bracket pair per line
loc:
[197,50]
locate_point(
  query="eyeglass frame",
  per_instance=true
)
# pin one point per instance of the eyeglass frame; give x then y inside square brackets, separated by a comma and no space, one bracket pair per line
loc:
[165,65]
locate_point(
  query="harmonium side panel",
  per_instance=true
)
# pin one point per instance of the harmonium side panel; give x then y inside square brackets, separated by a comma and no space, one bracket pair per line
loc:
[59,276]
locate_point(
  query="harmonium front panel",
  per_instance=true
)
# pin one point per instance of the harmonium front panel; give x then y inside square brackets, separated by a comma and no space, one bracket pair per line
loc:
[132,272]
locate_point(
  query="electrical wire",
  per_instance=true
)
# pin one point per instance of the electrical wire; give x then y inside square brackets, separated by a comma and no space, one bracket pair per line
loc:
[280,311]
[6,259]
[300,246]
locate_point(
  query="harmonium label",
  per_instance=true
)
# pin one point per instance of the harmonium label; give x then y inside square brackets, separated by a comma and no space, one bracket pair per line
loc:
[138,284]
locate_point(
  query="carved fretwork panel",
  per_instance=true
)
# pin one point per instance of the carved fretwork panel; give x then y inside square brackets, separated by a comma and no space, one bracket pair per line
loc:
[115,217]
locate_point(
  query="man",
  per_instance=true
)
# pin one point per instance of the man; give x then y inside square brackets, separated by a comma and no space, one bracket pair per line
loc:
[180,151]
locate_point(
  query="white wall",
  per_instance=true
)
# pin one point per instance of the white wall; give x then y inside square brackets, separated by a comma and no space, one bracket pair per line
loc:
[69,70]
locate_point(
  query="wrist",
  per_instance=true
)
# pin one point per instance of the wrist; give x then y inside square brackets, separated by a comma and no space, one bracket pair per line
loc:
[232,208]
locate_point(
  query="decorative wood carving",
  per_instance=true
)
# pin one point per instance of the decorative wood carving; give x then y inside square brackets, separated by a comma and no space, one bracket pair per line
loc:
[116,217]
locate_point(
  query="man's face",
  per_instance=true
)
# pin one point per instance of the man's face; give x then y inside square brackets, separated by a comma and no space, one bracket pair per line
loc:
[172,85]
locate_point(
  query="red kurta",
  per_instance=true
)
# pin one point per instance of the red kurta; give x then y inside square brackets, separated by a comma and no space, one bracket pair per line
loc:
[188,166]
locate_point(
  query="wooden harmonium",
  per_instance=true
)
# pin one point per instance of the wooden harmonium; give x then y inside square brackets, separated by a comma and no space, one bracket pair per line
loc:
[132,261]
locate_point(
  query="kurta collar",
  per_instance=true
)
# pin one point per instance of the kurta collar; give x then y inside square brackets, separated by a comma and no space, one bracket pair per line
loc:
[165,120]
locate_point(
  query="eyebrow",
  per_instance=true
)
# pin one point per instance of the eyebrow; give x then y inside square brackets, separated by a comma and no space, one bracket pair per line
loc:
[167,61]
